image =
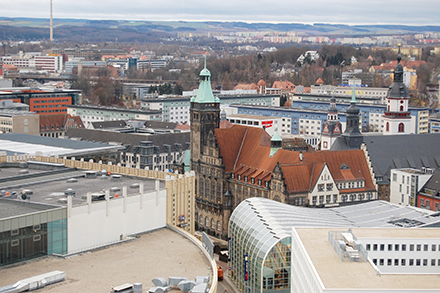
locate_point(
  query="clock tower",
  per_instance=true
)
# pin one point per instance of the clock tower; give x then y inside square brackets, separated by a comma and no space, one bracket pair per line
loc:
[204,117]
[397,118]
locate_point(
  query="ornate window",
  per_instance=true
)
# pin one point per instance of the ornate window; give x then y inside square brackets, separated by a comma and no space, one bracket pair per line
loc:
[201,220]
[212,224]
[219,226]
[401,127]
[388,126]
[207,222]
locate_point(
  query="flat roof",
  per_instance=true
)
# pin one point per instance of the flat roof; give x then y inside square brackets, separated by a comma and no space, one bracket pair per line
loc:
[253,117]
[12,112]
[12,208]
[362,275]
[17,143]
[161,253]
[116,109]
[48,187]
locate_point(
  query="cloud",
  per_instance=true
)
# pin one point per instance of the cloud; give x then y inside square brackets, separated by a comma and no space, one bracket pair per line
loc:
[423,12]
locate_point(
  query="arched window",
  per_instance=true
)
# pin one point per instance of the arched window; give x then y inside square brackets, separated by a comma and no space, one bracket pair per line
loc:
[388,108]
[207,222]
[219,226]
[201,220]
[401,108]
[388,127]
[401,127]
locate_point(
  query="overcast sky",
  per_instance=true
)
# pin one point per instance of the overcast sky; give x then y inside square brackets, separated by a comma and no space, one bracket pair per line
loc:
[421,12]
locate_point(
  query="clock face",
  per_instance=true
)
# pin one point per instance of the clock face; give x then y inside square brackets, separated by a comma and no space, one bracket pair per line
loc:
[195,127]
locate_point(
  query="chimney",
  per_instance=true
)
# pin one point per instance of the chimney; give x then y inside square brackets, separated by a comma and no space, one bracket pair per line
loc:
[51,22]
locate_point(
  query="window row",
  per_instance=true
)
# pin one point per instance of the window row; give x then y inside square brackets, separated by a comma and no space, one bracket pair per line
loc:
[207,222]
[403,262]
[401,247]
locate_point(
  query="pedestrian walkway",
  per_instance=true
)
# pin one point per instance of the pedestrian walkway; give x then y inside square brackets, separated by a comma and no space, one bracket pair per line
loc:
[226,277]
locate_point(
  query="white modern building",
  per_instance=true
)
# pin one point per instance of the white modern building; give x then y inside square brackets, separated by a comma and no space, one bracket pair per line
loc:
[270,124]
[406,183]
[365,260]
[50,63]
[371,95]
[177,109]
[89,114]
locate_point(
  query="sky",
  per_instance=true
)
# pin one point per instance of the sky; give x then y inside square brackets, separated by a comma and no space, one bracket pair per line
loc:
[409,12]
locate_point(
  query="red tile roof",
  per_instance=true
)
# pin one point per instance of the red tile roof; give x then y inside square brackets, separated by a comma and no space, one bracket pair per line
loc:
[59,122]
[261,83]
[183,126]
[244,86]
[246,152]
[225,124]
[285,85]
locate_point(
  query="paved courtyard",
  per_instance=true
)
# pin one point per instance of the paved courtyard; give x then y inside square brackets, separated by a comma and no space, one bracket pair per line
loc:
[161,253]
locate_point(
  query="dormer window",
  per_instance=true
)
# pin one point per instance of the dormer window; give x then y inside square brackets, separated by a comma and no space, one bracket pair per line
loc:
[239,177]
[259,182]
[232,175]
[267,183]
[253,180]
[245,179]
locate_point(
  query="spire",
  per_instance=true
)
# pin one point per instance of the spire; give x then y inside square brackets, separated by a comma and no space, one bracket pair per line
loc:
[204,94]
[398,89]
[398,69]
[275,142]
[353,96]
[223,115]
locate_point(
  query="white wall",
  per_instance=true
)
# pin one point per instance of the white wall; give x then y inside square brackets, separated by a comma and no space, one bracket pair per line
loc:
[324,178]
[304,277]
[425,253]
[102,222]
[402,188]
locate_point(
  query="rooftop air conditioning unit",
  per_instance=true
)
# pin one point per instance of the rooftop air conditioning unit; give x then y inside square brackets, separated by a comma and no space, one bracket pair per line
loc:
[116,177]
[70,191]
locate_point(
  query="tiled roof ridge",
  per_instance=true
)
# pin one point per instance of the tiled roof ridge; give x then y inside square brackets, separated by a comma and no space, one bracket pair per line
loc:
[241,146]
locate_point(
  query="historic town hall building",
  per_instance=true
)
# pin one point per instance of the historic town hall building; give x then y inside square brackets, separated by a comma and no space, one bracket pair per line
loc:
[239,162]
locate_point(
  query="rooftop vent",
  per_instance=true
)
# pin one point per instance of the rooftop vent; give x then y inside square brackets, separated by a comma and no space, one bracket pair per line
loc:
[72,180]
[23,172]
[135,185]
[406,223]
[96,196]
[116,177]
[90,174]
[62,200]
[115,189]
[70,191]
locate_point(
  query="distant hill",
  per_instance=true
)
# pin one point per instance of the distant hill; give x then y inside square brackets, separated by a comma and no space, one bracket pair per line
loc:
[151,31]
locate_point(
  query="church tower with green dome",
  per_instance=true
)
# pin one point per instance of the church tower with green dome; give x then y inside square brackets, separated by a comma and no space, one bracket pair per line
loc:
[204,116]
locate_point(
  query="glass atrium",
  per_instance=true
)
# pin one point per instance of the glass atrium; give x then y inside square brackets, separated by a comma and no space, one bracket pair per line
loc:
[260,233]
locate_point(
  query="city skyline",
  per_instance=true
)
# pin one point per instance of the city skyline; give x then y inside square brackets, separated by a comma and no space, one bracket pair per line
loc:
[318,11]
